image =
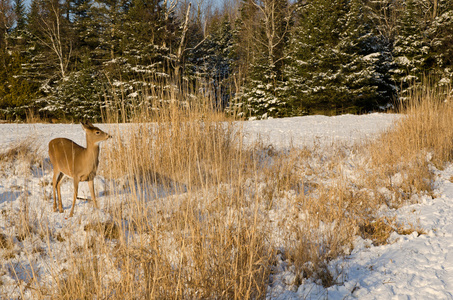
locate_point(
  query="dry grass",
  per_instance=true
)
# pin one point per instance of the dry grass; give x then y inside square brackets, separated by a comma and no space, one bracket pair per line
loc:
[20,157]
[193,213]
[193,248]
[5,242]
[401,158]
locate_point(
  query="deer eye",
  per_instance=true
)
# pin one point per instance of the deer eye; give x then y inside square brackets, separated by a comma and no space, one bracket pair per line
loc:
[98,132]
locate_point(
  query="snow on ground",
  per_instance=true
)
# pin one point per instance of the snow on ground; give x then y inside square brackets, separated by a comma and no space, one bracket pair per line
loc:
[411,267]
[318,130]
[281,133]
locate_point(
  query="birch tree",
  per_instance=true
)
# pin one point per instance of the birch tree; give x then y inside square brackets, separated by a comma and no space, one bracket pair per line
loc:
[52,31]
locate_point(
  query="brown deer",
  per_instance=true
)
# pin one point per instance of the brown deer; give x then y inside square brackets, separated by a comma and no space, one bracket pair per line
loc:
[76,162]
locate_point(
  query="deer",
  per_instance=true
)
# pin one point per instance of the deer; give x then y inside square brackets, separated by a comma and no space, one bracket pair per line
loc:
[74,161]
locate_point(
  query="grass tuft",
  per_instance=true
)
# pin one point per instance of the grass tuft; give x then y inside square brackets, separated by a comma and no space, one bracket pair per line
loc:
[109,229]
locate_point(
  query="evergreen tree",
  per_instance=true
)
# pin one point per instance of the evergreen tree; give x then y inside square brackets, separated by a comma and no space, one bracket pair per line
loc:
[79,96]
[313,71]
[145,28]
[440,33]
[411,50]
[366,63]
[6,22]
[336,62]
[86,39]
[20,14]
[16,92]
[211,60]
[261,95]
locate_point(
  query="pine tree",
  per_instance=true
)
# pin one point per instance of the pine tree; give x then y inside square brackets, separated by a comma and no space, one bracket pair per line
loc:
[16,92]
[6,22]
[83,23]
[261,95]
[20,14]
[336,63]
[145,28]
[314,75]
[440,33]
[367,62]
[211,60]
[79,96]
[411,50]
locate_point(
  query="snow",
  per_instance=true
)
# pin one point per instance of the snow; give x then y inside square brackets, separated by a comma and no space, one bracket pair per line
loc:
[409,267]
[412,267]
[311,131]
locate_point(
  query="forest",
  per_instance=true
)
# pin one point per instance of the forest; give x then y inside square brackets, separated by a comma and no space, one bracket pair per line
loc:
[76,59]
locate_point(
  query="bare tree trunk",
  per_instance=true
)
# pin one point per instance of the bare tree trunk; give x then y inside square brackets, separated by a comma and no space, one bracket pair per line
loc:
[170,8]
[435,9]
[182,42]
[54,40]
[6,22]
[112,46]
[274,35]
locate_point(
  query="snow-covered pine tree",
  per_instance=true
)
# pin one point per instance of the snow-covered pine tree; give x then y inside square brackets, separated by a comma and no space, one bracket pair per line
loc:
[17,90]
[99,27]
[336,63]
[79,96]
[440,33]
[313,72]
[146,31]
[411,49]
[365,64]
[211,60]
[268,21]
[138,35]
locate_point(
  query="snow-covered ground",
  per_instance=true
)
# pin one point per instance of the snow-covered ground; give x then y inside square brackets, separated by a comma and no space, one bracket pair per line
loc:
[410,267]
[318,130]
[280,133]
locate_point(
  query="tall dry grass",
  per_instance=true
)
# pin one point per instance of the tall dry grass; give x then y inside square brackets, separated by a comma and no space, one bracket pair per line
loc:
[401,159]
[185,226]
[194,213]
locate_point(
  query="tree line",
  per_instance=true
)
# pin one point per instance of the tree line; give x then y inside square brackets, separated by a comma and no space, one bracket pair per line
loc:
[257,58]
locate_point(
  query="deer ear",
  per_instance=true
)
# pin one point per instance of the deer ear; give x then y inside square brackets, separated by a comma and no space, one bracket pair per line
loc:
[85,126]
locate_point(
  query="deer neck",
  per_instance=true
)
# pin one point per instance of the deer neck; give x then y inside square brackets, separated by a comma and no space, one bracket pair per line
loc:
[92,151]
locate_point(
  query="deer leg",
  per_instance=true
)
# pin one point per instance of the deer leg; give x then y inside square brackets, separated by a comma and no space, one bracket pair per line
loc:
[76,189]
[57,187]
[54,187]
[93,195]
